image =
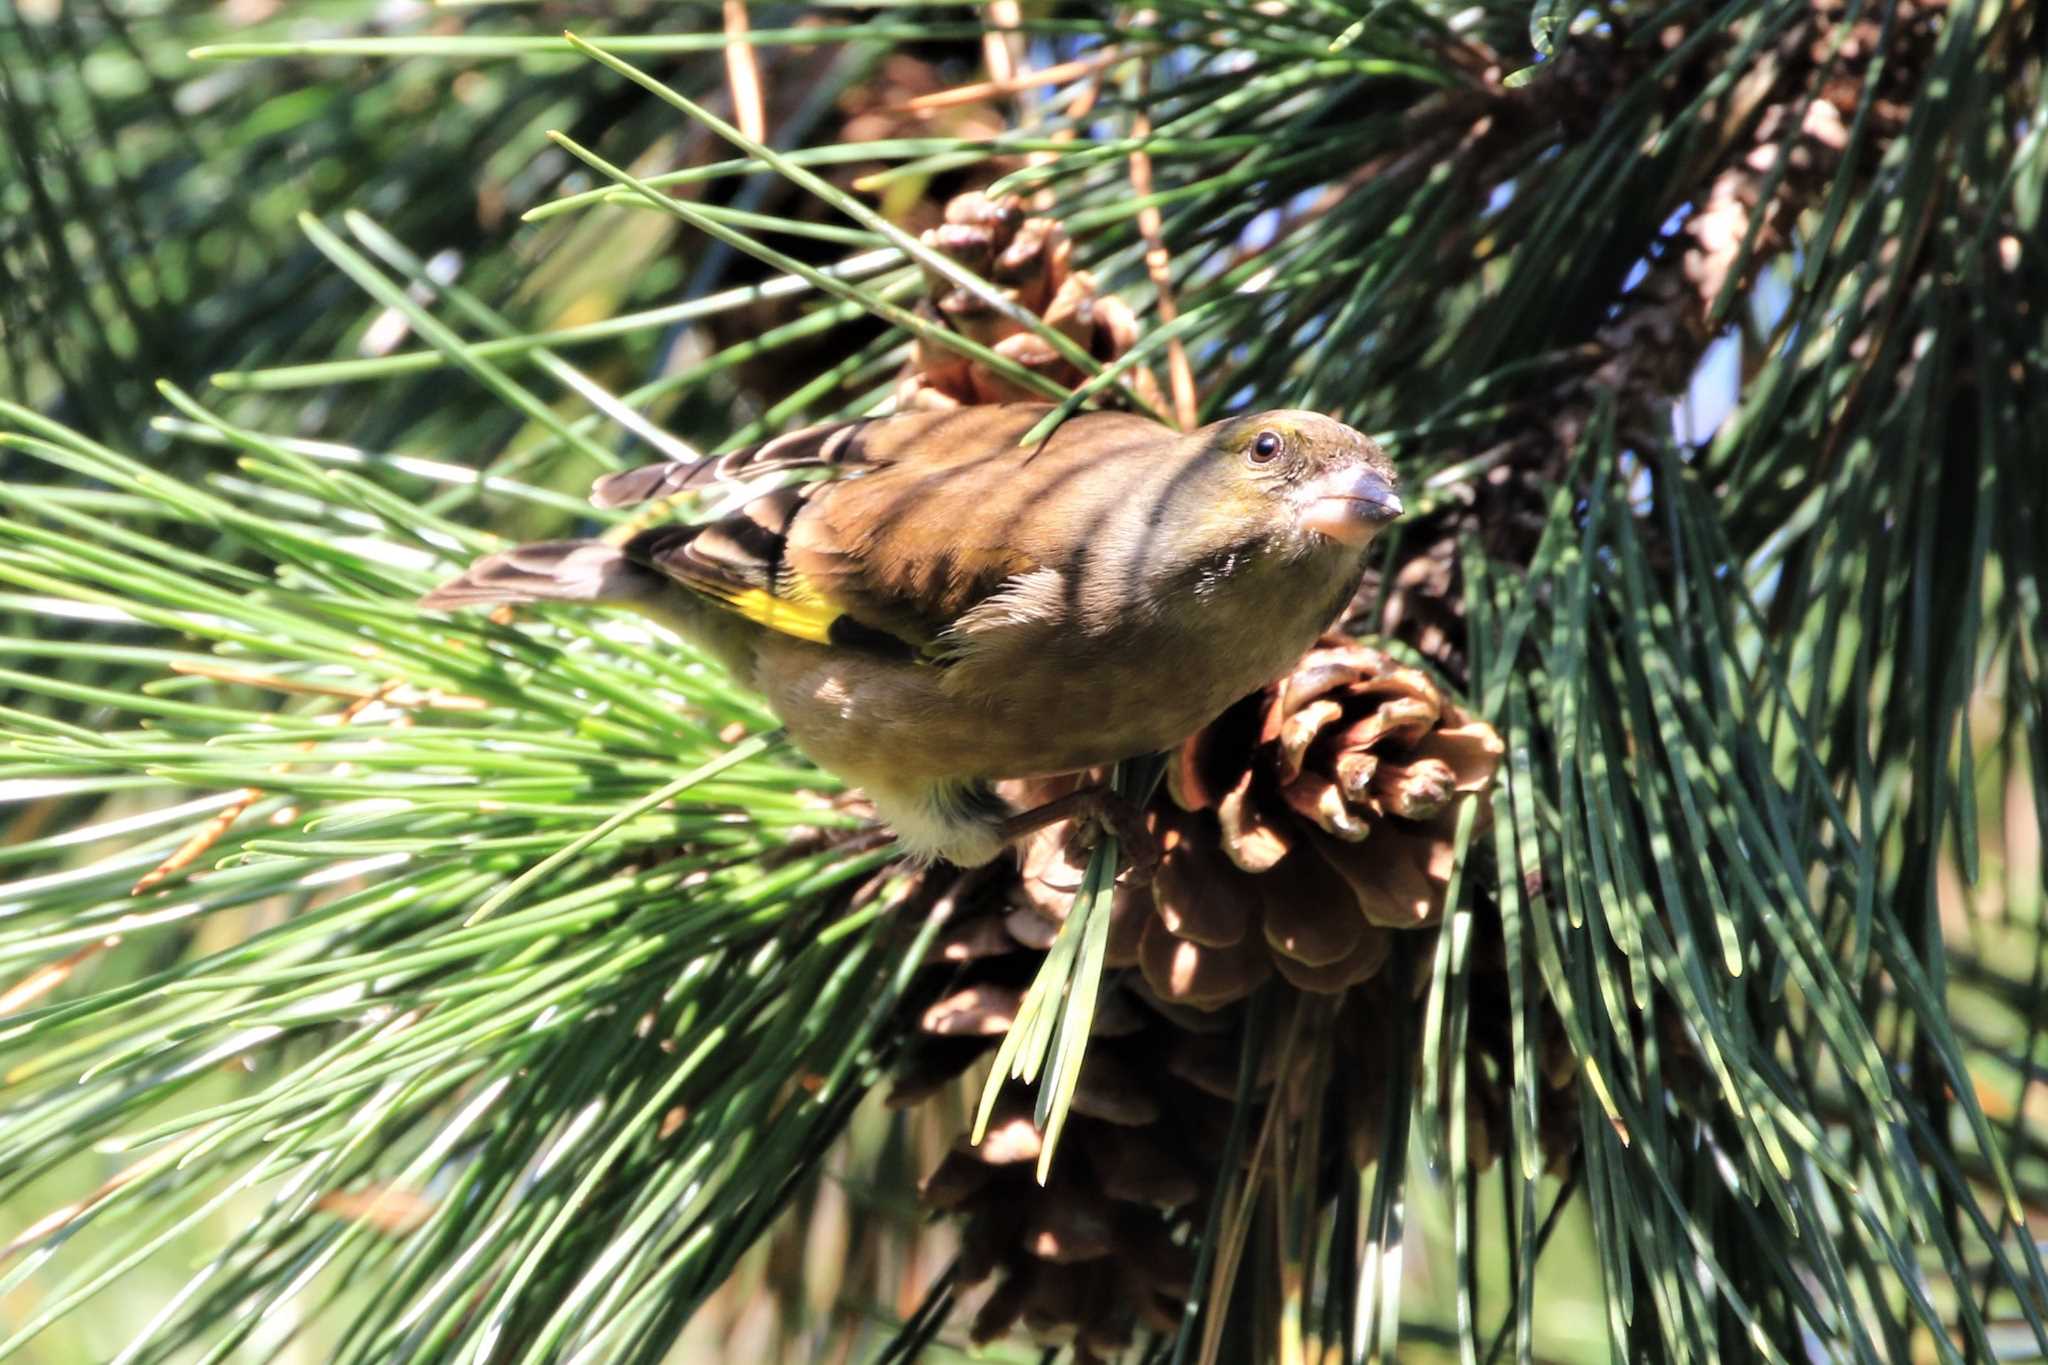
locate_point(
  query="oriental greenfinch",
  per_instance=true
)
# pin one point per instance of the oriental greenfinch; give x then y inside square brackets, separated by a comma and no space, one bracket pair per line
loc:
[937,607]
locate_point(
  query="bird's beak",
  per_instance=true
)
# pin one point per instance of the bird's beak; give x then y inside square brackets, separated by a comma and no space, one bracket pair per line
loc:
[1349,505]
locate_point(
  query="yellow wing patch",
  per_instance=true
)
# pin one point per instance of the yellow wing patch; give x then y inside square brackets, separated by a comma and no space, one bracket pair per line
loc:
[805,620]
[799,610]
[736,565]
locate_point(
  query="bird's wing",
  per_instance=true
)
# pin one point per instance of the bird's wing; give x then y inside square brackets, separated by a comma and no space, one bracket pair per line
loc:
[740,563]
[838,448]
[946,512]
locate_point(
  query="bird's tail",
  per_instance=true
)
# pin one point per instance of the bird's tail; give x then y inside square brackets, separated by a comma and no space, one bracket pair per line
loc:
[551,571]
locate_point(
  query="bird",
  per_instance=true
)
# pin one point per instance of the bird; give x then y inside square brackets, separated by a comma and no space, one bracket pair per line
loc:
[931,607]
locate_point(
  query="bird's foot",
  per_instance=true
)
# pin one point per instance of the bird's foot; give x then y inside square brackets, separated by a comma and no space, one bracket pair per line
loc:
[1097,808]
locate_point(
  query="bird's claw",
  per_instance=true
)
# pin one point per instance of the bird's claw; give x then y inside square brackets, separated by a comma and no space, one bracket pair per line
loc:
[1123,820]
[1096,810]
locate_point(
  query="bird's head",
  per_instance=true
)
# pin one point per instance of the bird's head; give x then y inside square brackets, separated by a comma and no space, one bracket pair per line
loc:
[1308,477]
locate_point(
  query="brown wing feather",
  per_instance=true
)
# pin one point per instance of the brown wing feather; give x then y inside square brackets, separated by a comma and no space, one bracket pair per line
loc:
[915,545]
[909,438]
[946,511]
[552,571]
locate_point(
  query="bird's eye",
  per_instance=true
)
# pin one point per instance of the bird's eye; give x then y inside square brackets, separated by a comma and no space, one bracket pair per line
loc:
[1265,447]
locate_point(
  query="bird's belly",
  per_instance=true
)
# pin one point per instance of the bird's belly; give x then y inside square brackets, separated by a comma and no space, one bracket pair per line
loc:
[1025,716]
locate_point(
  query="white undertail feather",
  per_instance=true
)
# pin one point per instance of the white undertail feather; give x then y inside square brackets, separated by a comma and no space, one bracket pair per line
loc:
[958,822]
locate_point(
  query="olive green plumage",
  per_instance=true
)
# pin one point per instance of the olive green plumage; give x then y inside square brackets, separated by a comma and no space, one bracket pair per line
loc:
[948,607]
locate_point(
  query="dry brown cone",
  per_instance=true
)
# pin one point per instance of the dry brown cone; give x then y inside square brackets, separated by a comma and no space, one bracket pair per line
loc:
[1296,833]
[1310,821]
[1090,1258]
[1300,832]
[1100,1253]
[1030,261]
[886,107]
[1302,835]
[873,110]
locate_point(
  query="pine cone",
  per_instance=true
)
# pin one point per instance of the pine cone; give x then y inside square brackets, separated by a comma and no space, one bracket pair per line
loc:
[875,110]
[1297,834]
[1091,1256]
[1099,1253]
[883,109]
[1322,811]
[1305,824]
[1030,261]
